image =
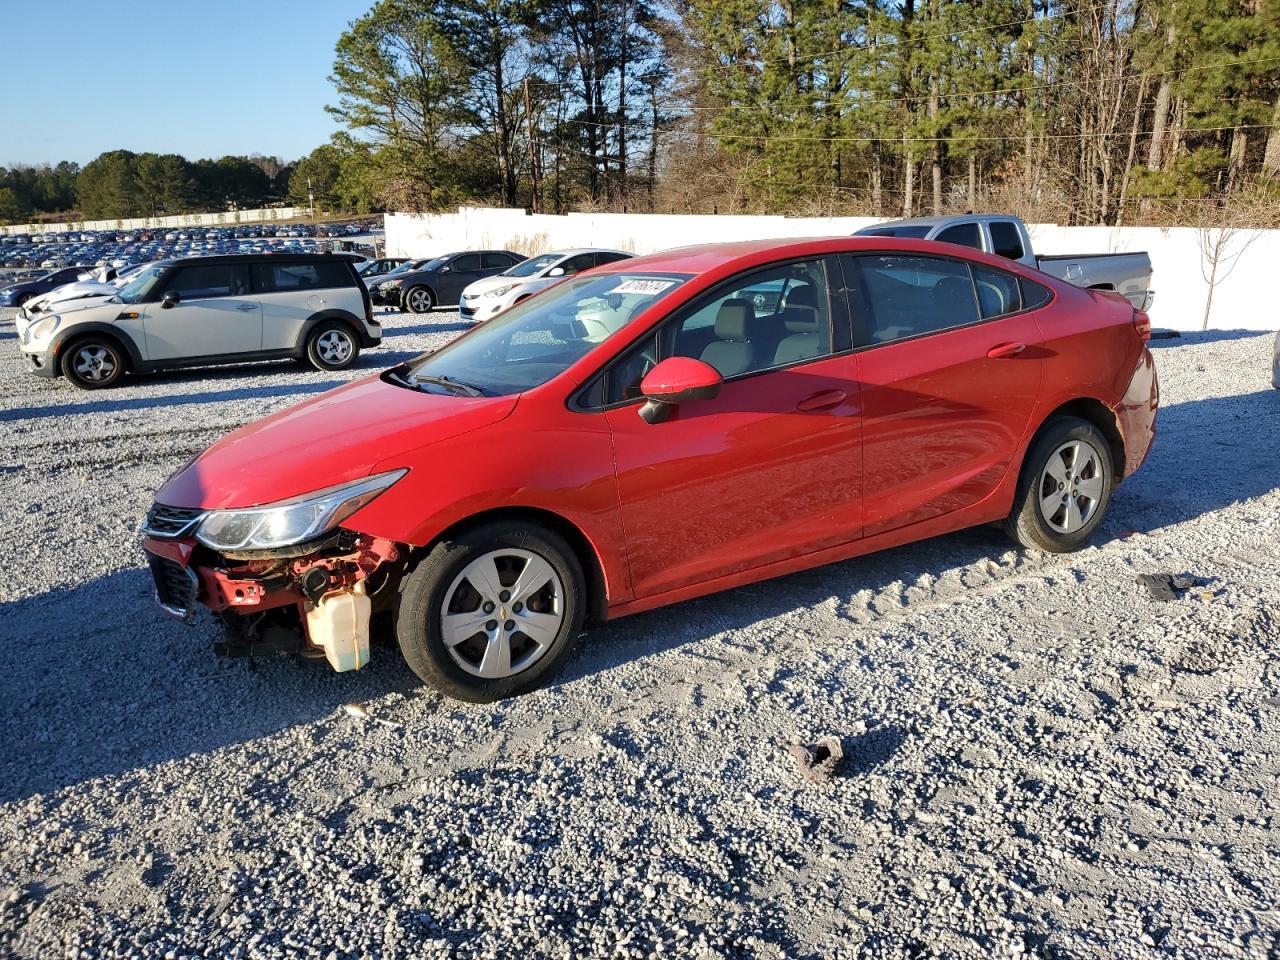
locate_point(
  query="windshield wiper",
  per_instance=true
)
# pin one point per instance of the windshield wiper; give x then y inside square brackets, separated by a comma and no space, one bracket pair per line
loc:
[450,384]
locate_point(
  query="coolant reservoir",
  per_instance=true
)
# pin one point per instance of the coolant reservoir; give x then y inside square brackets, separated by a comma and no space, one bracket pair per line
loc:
[340,624]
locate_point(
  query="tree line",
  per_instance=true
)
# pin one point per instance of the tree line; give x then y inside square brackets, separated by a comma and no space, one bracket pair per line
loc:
[1076,111]
[1079,111]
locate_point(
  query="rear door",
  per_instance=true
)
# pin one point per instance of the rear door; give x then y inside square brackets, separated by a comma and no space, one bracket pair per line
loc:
[950,368]
[216,314]
[292,292]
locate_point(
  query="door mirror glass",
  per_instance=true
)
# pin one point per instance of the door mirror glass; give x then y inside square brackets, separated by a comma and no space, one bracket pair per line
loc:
[170,299]
[556,272]
[674,381]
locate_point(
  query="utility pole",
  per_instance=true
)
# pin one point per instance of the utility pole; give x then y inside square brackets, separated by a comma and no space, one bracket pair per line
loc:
[311,199]
[533,157]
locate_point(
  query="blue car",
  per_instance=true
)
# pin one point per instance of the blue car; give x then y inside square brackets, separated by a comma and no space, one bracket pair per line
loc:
[17,294]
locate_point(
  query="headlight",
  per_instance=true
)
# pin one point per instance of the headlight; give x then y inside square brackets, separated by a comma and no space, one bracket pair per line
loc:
[44,327]
[291,521]
[500,291]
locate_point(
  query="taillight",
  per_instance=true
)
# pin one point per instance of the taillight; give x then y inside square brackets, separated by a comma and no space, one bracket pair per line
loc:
[1142,323]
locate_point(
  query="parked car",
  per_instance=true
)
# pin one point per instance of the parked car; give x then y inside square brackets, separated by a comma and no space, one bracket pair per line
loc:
[18,294]
[439,282]
[654,430]
[379,267]
[485,299]
[210,310]
[1006,236]
[103,283]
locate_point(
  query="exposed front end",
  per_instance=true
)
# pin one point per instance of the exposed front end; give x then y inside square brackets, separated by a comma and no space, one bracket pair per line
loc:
[282,578]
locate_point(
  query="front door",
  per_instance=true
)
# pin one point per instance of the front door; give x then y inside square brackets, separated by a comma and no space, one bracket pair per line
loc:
[216,314]
[463,270]
[768,470]
[950,371]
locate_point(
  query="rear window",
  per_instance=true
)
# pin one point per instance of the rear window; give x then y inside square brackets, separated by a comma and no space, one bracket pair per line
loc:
[317,274]
[997,292]
[1034,294]
[963,234]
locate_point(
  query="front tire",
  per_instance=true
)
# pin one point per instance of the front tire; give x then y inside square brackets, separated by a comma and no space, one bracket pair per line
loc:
[419,300]
[493,612]
[332,346]
[93,363]
[1064,488]
[25,299]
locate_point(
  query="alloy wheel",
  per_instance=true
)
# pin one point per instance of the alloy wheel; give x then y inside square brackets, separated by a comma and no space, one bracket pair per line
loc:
[1071,486]
[95,363]
[502,613]
[334,346]
[419,301]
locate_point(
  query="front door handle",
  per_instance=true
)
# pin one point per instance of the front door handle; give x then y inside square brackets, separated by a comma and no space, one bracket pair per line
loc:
[1006,350]
[822,400]
[246,307]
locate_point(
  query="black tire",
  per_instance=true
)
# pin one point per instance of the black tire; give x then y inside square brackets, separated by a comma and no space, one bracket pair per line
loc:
[419,300]
[332,345]
[419,627]
[93,362]
[1028,523]
[24,299]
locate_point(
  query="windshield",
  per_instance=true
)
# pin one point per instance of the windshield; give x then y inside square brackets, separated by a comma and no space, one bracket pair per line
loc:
[407,266]
[136,290]
[527,268]
[908,233]
[541,337]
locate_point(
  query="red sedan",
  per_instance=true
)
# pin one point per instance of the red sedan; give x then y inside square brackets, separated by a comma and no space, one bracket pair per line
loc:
[656,430]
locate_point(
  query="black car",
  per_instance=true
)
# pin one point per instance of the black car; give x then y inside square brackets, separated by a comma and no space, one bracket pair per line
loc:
[440,282]
[377,268]
[17,294]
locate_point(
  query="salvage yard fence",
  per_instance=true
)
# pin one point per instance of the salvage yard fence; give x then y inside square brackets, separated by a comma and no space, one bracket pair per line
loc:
[1227,276]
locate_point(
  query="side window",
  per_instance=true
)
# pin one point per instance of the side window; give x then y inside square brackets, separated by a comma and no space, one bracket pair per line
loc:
[964,234]
[998,292]
[904,296]
[1005,241]
[214,280]
[496,261]
[468,261]
[1034,294]
[603,258]
[769,318]
[583,261]
[280,277]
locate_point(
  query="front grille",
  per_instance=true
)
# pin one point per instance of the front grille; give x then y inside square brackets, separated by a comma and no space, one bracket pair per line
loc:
[176,586]
[170,522]
[467,311]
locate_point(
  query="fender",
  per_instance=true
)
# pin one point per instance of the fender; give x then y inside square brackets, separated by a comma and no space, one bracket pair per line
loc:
[356,323]
[97,326]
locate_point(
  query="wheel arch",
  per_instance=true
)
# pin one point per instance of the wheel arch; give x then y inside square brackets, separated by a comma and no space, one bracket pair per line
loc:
[588,557]
[1094,411]
[73,335]
[343,316]
[425,285]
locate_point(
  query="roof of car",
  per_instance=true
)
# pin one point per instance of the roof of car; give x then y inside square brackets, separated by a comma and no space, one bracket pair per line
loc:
[575,251]
[259,258]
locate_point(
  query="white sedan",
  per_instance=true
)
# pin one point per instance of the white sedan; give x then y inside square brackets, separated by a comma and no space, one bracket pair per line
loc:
[488,297]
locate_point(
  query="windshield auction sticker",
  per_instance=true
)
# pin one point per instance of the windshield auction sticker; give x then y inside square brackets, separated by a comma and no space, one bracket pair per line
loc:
[648,288]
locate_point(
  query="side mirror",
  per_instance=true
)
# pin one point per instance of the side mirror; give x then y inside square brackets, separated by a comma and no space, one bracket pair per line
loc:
[674,381]
[556,272]
[169,299]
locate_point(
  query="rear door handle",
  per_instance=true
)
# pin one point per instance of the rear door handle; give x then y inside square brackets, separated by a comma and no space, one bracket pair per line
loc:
[822,400]
[1006,350]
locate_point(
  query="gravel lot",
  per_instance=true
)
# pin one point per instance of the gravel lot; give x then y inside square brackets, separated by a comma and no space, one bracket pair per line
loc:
[1041,759]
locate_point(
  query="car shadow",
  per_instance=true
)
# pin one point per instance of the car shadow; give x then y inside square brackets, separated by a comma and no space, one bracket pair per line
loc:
[1180,338]
[80,661]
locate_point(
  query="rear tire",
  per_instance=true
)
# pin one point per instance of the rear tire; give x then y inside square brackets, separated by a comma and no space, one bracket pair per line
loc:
[93,363]
[332,346]
[495,582]
[1064,488]
[419,300]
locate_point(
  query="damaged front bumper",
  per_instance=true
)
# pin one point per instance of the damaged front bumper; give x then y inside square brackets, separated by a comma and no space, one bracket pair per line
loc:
[315,599]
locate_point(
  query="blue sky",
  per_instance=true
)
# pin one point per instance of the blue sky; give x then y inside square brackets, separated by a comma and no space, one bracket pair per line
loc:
[203,78]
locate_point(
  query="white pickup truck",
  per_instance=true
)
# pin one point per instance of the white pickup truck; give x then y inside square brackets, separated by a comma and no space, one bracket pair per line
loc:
[1005,236]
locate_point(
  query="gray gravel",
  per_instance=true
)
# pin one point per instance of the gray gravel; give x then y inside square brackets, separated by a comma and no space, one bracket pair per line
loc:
[1039,758]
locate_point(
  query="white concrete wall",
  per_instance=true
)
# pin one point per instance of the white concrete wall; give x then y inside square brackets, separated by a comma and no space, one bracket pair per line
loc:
[1244,297]
[267,215]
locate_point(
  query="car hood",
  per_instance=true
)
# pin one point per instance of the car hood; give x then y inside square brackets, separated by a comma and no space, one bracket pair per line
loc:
[335,437]
[485,284]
